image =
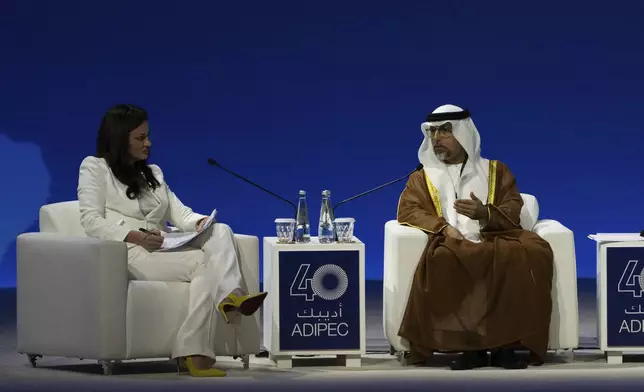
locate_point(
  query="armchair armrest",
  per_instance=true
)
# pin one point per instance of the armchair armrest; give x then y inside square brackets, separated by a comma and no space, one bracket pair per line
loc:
[564,324]
[248,249]
[403,248]
[72,294]
[248,334]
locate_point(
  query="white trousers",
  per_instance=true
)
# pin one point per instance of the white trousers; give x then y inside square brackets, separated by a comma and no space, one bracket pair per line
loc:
[210,262]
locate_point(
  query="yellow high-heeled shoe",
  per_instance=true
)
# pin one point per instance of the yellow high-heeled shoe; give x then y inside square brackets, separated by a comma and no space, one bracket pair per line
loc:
[245,304]
[195,372]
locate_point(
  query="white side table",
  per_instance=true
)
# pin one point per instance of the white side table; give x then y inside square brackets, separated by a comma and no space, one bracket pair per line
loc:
[620,298]
[316,300]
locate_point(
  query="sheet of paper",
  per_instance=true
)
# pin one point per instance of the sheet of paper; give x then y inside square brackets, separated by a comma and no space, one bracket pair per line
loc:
[616,237]
[176,240]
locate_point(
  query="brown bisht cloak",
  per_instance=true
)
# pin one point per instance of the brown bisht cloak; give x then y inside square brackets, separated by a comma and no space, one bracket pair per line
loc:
[476,296]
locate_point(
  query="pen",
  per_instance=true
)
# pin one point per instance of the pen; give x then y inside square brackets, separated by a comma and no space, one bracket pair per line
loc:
[145,231]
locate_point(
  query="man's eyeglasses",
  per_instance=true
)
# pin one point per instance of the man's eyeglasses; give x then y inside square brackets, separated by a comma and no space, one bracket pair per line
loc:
[442,131]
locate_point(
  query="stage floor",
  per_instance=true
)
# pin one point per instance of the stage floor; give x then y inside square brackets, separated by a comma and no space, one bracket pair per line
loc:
[380,371]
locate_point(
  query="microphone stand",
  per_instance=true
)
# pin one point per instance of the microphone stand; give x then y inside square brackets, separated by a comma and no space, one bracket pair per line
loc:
[215,163]
[419,167]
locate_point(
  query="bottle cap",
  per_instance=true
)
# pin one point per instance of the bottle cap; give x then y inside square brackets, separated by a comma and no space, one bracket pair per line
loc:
[302,193]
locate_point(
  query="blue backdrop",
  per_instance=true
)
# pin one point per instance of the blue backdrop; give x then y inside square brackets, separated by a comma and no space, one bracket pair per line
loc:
[325,95]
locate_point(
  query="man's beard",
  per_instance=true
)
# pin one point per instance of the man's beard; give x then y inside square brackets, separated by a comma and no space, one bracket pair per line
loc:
[442,156]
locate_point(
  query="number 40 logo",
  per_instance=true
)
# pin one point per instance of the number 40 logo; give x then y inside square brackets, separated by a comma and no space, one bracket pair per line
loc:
[632,281]
[309,288]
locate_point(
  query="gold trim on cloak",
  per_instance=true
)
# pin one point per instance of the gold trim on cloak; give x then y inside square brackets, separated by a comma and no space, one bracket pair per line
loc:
[405,223]
[433,192]
[491,183]
[491,191]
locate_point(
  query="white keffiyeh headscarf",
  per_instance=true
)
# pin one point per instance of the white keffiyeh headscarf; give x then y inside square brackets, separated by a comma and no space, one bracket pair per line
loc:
[474,177]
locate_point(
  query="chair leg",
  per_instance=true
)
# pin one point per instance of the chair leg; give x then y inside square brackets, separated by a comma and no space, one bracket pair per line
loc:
[246,361]
[262,354]
[403,357]
[33,358]
[108,366]
[569,354]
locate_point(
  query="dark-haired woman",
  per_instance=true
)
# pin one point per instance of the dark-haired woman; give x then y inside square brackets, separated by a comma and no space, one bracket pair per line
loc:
[119,192]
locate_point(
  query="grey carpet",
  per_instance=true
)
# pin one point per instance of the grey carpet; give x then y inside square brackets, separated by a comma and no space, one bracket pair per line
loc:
[586,368]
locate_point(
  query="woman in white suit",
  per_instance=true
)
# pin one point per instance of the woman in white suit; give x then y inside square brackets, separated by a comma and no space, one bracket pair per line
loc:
[119,193]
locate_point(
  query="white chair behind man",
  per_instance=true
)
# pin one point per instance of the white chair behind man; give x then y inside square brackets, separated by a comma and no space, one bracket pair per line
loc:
[404,246]
[75,298]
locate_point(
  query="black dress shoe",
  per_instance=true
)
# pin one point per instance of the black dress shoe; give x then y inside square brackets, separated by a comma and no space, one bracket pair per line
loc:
[470,360]
[506,358]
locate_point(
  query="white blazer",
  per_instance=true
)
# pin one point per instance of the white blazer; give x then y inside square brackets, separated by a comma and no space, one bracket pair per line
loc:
[107,213]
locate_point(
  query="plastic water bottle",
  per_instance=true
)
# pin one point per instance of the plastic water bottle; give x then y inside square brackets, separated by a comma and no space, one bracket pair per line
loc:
[326,232]
[302,225]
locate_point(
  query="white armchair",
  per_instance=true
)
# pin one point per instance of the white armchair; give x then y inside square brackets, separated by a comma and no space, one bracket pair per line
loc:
[75,298]
[404,246]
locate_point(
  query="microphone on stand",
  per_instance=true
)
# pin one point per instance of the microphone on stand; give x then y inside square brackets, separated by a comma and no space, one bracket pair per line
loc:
[419,167]
[215,163]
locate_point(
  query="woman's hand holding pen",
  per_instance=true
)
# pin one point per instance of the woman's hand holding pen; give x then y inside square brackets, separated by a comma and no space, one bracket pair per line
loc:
[151,240]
